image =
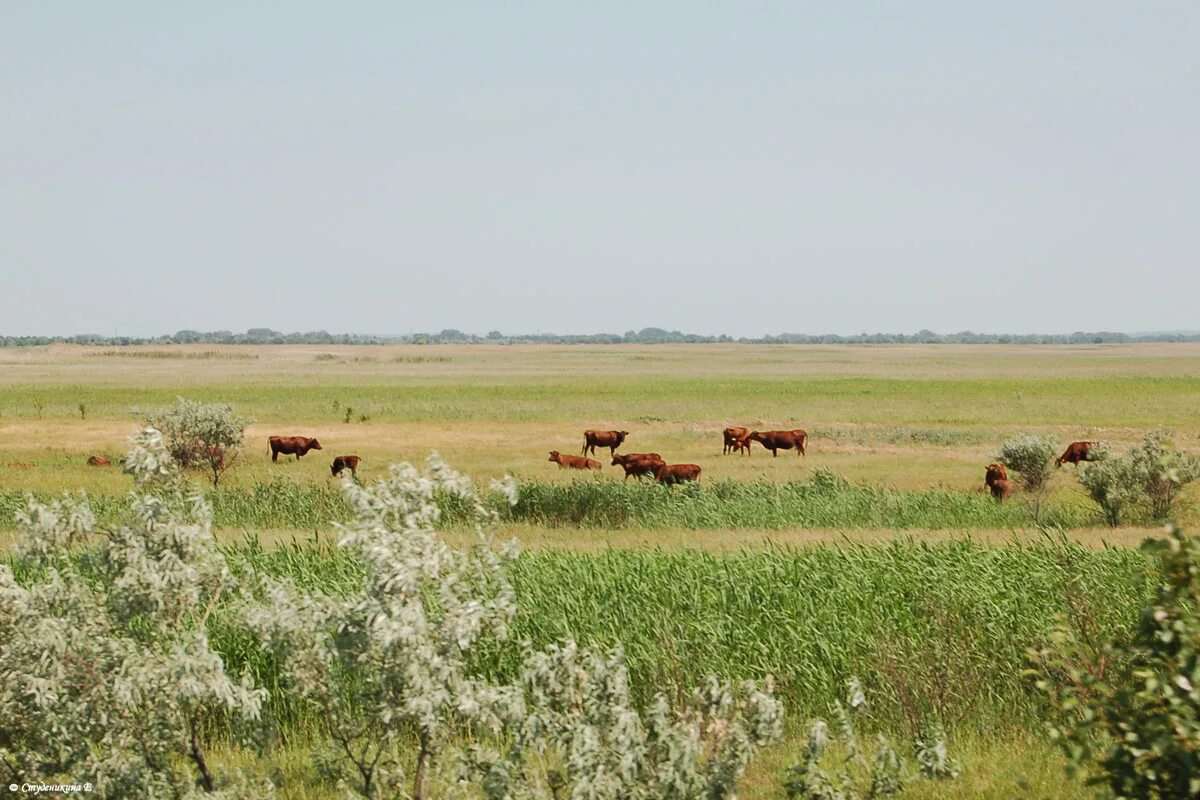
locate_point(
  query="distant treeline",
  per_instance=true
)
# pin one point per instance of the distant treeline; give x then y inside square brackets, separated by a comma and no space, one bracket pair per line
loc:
[644,336]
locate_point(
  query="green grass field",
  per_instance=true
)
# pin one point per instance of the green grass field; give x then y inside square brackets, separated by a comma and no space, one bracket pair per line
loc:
[904,573]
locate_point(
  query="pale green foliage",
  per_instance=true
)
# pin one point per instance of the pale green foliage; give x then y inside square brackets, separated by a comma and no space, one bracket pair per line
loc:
[1163,471]
[857,776]
[1031,457]
[575,714]
[391,659]
[204,435]
[1112,483]
[113,683]
[1130,710]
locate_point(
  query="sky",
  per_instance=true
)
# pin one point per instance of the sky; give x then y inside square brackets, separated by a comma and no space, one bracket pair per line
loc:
[746,167]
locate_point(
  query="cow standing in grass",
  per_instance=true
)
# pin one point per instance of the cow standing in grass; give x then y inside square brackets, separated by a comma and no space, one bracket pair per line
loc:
[292,445]
[781,440]
[1075,452]
[610,439]
[995,479]
[345,462]
[670,474]
[734,436]
[638,464]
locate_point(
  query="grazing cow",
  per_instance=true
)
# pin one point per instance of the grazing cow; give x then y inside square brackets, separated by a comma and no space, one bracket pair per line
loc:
[742,444]
[668,474]
[995,472]
[733,438]
[99,461]
[289,445]
[1075,452]
[1000,489]
[638,464]
[572,462]
[215,454]
[610,439]
[781,440]
[345,462]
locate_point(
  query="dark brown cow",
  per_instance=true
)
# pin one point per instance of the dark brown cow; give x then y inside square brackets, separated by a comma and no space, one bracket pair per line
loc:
[289,445]
[1000,489]
[345,462]
[781,440]
[638,464]
[610,439]
[99,461]
[733,438]
[669,474]
[995,472]
[1075,452]
[572,462]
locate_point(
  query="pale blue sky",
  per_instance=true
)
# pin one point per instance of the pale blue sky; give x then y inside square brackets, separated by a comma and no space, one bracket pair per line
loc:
[736,167]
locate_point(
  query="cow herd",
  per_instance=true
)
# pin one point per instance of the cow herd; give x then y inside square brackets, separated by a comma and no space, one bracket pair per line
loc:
[638,465]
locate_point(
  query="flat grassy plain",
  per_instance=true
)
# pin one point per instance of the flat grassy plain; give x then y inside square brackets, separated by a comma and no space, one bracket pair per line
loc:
[754,572]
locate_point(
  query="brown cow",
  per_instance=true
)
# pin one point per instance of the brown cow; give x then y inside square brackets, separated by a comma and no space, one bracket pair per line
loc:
[733,439]
[1075,452]
[1000,489]
[742,444]
[638,464]
[289,445]
[995,472]
[610,439]
[345,462]
[215,454]
[572,462]
[781,440]
[99,461]
[668,474]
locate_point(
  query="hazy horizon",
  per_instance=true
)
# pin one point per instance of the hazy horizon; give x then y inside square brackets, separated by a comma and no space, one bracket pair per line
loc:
[742,170]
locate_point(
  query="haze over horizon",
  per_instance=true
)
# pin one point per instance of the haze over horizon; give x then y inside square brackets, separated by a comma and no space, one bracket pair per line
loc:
[745,170]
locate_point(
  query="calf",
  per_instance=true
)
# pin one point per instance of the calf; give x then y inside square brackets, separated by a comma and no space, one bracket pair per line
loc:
[638,464]
[289,445]
[572,462]
[610,439]
[669,474]
[781,440]
[995,472]
[733,439]
[99,461]
[345,462]
[1000,489]
[1075,452]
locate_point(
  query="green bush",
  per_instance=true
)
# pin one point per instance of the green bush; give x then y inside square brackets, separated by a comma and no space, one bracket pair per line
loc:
[1130,708]
[204,435]
[1163,471]
[1030,456]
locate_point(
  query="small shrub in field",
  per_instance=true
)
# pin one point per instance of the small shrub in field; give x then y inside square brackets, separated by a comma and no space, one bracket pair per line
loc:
[1163,471]
[574,714]
[203,435]
[82,410]
[108,676]
[1031,457]
[858,777]
[1129,710]
[1112,483]
[390,661]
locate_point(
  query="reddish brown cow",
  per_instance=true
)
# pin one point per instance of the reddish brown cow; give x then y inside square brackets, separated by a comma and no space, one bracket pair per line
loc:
[345,462]
[289,445]
[742,444]
[733,439]
[610,439]
[215,455]
[638,464]
[781,440]
[99,461]
[1000,489]
[995,472]
[572,462]
[1075,452]
[669,474]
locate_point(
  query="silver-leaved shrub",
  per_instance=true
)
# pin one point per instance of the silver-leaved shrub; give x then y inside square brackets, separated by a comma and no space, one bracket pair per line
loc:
[388,665]
[206,436]
[106,673]
[575,733]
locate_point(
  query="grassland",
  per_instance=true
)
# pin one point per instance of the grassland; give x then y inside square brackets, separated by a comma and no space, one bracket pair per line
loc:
[903,573]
